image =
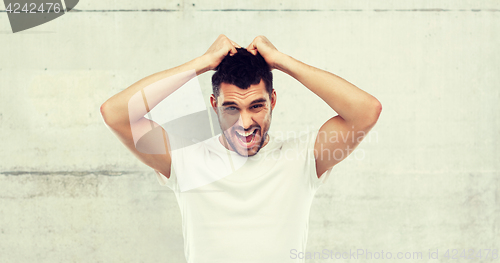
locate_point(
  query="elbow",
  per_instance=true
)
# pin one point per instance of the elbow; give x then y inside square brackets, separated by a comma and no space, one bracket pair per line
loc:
[112,115]
[377,108]
[372,113]
[375,111]
[105,113]
[367,116]
[103,110]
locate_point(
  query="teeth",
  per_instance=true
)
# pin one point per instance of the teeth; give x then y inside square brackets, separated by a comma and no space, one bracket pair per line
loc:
[245,134]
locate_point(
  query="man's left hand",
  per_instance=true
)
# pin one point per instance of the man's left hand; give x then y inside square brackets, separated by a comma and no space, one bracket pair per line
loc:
[269,52]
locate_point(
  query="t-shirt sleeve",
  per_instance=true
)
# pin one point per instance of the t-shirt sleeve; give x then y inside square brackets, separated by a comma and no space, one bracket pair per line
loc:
[172,181]
[178,155]
[313,176]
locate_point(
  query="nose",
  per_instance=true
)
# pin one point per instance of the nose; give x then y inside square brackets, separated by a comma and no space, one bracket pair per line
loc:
[245,120]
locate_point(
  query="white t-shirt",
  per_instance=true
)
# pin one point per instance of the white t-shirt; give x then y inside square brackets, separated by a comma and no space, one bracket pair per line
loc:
[245,209]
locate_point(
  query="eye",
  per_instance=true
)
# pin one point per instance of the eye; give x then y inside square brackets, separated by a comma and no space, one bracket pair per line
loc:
[230,108]
[256,106]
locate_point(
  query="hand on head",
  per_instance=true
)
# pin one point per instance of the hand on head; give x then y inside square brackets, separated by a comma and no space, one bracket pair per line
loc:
[265,48]
[224,46]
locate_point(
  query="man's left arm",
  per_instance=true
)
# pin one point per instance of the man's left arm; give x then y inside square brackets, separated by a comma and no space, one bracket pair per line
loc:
[357,110]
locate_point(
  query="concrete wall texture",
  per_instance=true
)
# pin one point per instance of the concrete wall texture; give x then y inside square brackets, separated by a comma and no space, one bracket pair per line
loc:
[427,177]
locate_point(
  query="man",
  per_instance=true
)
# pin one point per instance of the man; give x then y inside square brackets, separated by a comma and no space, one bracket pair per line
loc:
[244,195]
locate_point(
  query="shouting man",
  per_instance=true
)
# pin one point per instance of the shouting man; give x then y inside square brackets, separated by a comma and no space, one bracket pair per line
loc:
[244,195]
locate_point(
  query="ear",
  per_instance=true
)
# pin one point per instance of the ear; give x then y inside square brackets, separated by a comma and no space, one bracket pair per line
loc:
[273,99]
[213,102]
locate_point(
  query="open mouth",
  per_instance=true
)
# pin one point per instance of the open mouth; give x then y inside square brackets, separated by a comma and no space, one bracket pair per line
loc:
[246,138]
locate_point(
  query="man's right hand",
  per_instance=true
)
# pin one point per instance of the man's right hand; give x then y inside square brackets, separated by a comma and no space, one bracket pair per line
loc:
[219,50]
[124,112]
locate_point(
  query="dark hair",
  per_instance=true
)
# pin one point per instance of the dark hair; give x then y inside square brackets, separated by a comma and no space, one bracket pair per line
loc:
[242,70]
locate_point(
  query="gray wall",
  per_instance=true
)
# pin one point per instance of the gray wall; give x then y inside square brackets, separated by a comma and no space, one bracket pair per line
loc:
[427,177]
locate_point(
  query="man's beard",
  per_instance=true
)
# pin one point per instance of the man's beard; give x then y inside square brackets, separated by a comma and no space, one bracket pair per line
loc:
[232,134]
[236,148]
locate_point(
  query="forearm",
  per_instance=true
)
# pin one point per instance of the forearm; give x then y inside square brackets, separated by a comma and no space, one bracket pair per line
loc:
[353,104]
[131,104]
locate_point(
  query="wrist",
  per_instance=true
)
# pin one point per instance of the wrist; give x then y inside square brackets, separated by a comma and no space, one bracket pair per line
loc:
[201,64]
[280,61]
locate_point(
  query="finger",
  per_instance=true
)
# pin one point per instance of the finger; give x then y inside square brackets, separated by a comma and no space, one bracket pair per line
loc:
[253,51]
[252,48]
[233,51]
[235,44]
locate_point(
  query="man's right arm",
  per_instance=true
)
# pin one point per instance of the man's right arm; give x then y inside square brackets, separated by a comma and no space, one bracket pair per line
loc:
[124,112]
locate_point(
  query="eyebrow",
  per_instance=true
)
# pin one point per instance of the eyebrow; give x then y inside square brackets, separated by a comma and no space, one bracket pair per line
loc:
[227,103]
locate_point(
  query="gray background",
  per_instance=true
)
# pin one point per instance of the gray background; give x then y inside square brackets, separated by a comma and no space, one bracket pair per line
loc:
[427,177]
